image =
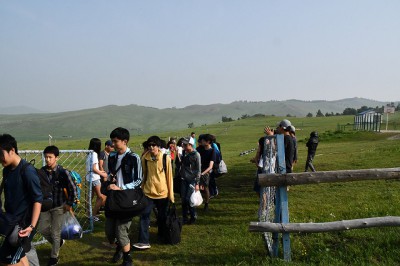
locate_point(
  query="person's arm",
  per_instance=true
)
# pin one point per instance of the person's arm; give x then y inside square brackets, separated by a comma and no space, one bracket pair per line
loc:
[197,171]
[103,174]
[170,181]
[35,217]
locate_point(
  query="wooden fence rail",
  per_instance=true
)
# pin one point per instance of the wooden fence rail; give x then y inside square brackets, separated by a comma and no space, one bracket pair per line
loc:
[266,180]
[325,227]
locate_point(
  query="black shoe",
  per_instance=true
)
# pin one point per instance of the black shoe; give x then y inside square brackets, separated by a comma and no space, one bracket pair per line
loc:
[127,260]
[192,220]
[127,263]
[205,206]
[118,254]
[52,261]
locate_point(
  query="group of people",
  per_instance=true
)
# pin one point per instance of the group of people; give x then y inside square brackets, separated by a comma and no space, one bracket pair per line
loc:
[34,200]
[190,162]
[266,153]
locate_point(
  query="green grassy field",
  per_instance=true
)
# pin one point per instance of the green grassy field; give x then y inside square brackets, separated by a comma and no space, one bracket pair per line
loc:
[221,236]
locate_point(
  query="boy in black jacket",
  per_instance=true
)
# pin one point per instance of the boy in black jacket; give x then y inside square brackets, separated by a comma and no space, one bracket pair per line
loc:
[62,198]
[312,145]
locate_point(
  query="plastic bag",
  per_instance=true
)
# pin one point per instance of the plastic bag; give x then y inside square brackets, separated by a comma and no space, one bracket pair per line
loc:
[196,199]
[70,229]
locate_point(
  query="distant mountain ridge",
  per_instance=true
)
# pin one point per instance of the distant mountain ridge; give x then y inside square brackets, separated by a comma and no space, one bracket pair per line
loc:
[98,122]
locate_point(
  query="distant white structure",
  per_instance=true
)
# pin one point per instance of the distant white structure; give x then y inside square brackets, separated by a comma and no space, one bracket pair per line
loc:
[368,121]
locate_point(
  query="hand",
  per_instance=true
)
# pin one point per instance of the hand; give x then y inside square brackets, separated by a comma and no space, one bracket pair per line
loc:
[268,131]
[66,208]
[197,188]
[25,232]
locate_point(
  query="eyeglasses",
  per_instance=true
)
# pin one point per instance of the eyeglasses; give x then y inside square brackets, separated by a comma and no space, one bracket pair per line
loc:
[151,145]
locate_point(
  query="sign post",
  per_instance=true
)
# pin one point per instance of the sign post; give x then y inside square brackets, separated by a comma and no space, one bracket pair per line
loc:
[388,110]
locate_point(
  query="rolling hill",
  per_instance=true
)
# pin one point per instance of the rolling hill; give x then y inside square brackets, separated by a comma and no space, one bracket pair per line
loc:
[98,122]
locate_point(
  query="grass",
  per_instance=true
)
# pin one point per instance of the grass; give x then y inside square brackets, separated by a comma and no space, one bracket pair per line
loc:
[221,237]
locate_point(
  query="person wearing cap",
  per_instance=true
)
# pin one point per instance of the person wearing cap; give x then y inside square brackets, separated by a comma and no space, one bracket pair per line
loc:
[284,128]
[292,132]
[190,173]
[103,157]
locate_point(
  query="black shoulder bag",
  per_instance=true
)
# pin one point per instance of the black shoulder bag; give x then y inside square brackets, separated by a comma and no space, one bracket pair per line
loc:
[125,203]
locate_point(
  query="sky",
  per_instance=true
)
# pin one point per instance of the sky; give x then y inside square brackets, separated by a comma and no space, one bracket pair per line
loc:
[70,55]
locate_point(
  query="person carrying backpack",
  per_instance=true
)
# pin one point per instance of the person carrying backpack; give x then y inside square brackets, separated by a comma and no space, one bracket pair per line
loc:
[125,173]
[22,203]
[158,186]
[62,192]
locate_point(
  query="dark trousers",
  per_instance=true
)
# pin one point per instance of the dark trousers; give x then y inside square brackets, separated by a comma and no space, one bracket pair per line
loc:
[309,164]
[187,189]
[162,207]
[212,186]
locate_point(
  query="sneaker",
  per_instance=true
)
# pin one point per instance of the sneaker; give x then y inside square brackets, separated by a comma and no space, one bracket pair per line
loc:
[118,254]
[141,246]
[52,261]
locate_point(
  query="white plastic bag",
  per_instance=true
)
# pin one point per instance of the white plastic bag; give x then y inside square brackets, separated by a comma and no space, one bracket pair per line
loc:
[196,199]
[70,229]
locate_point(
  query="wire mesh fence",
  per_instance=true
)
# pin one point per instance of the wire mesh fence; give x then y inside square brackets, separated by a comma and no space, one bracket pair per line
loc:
[266,210]
[72,160]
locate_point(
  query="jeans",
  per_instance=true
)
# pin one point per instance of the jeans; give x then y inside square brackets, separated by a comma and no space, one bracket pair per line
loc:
[187,189]
[144,223]
[309,163]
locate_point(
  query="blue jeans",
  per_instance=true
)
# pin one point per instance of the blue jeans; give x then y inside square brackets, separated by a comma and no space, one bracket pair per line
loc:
[187,189]
[144,223]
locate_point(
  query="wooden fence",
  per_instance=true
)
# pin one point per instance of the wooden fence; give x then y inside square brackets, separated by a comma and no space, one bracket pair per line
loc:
[281,223]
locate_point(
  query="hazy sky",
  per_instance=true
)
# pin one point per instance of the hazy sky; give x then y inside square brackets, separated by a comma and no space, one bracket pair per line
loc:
[67,55]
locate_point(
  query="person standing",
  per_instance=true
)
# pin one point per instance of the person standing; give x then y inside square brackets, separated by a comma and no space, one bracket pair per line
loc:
[208,158]
[50,221]
[103,157]
[158,187]
[190,173]
[284,128]
[312,145]
[95,174]
[292,132]
[22,201]
[193,136]
[126,173]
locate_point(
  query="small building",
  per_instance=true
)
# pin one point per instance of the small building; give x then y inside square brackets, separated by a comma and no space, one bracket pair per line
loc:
[368,120]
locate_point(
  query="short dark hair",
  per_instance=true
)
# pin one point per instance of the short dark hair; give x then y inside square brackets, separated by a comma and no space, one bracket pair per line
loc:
[156,140]
[52,149]
[120,133]
[7,143]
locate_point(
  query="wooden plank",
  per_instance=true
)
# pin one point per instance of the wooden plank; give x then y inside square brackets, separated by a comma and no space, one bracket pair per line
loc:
[325,227]
[327,177]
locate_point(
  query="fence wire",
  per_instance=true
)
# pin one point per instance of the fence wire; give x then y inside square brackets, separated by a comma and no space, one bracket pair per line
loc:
[72,160]
[266,210]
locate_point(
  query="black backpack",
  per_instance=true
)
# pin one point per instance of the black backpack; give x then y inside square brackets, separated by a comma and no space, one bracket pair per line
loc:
[173,227]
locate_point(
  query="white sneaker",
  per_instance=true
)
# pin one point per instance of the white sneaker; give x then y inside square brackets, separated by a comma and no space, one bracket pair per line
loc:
[141,246]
